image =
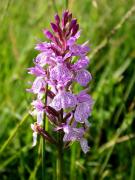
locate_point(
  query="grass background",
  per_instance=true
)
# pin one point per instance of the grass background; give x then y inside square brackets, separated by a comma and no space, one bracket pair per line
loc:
[111,135]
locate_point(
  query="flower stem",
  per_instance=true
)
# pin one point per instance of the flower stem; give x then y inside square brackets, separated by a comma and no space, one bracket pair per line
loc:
[60,165]
[43,140]
[60,168]
[43,159]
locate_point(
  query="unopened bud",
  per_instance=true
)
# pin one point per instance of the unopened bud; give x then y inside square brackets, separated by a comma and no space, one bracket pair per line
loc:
[48,34]
[57,19]
[54,27]
[50,110]
[70,16]
[75,29]
[64,18]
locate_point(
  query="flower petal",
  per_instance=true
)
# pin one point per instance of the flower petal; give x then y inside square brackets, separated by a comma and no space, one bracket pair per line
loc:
[40,117]
[73,134]
[84,145]
[81,63]
[38,85]
[34,138]
[83,77]
[61,74]
[82,112]
[64,100]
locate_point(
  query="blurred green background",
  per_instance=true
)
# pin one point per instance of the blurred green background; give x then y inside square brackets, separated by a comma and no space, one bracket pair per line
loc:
[111,136]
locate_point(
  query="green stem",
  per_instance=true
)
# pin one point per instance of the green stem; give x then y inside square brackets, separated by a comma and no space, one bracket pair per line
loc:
[43,159]
[60,165]
[60,159]
[43,140]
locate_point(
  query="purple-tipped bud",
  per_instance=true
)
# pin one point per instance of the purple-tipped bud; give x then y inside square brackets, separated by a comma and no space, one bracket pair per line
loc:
[57,29]
[73,23]
[48,34]
[54,27]
[57,19]
[52,111]
[71,26]
[75,29]
[64,18]
[70,16]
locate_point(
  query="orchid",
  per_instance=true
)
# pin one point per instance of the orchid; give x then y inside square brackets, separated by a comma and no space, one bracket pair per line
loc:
[61,63]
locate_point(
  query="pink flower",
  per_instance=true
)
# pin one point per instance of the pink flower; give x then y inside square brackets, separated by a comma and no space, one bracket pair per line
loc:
[61,63]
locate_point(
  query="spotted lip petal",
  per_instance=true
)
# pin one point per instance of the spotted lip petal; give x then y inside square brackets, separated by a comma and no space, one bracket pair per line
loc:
[82,112]
[73,134]
[83,77]
[61,74]
[84,145]
[64,100]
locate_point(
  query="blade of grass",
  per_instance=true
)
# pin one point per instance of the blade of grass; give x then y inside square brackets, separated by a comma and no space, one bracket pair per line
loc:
[129,88]
[119,140]
[16,155]
[125,124]
[14,131]
[33,174]
[118,26]
[132,176]
[54,6]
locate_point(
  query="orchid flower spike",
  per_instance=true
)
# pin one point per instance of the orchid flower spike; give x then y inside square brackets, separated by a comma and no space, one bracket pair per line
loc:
[60,63]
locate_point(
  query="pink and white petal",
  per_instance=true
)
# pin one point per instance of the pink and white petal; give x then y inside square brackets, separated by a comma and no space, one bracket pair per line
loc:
[84,145]
[38,105]
[60,73]
[84,97]
[40,115]
[32,127]
[34,138]
[38,84]
[82,112]
[68,100]
[56,102]
[81,63]
[73,134]
[83,77]
[66,129]
[64,100]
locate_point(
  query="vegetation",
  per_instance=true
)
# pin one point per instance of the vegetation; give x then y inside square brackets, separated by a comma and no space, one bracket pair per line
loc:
[110,30]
